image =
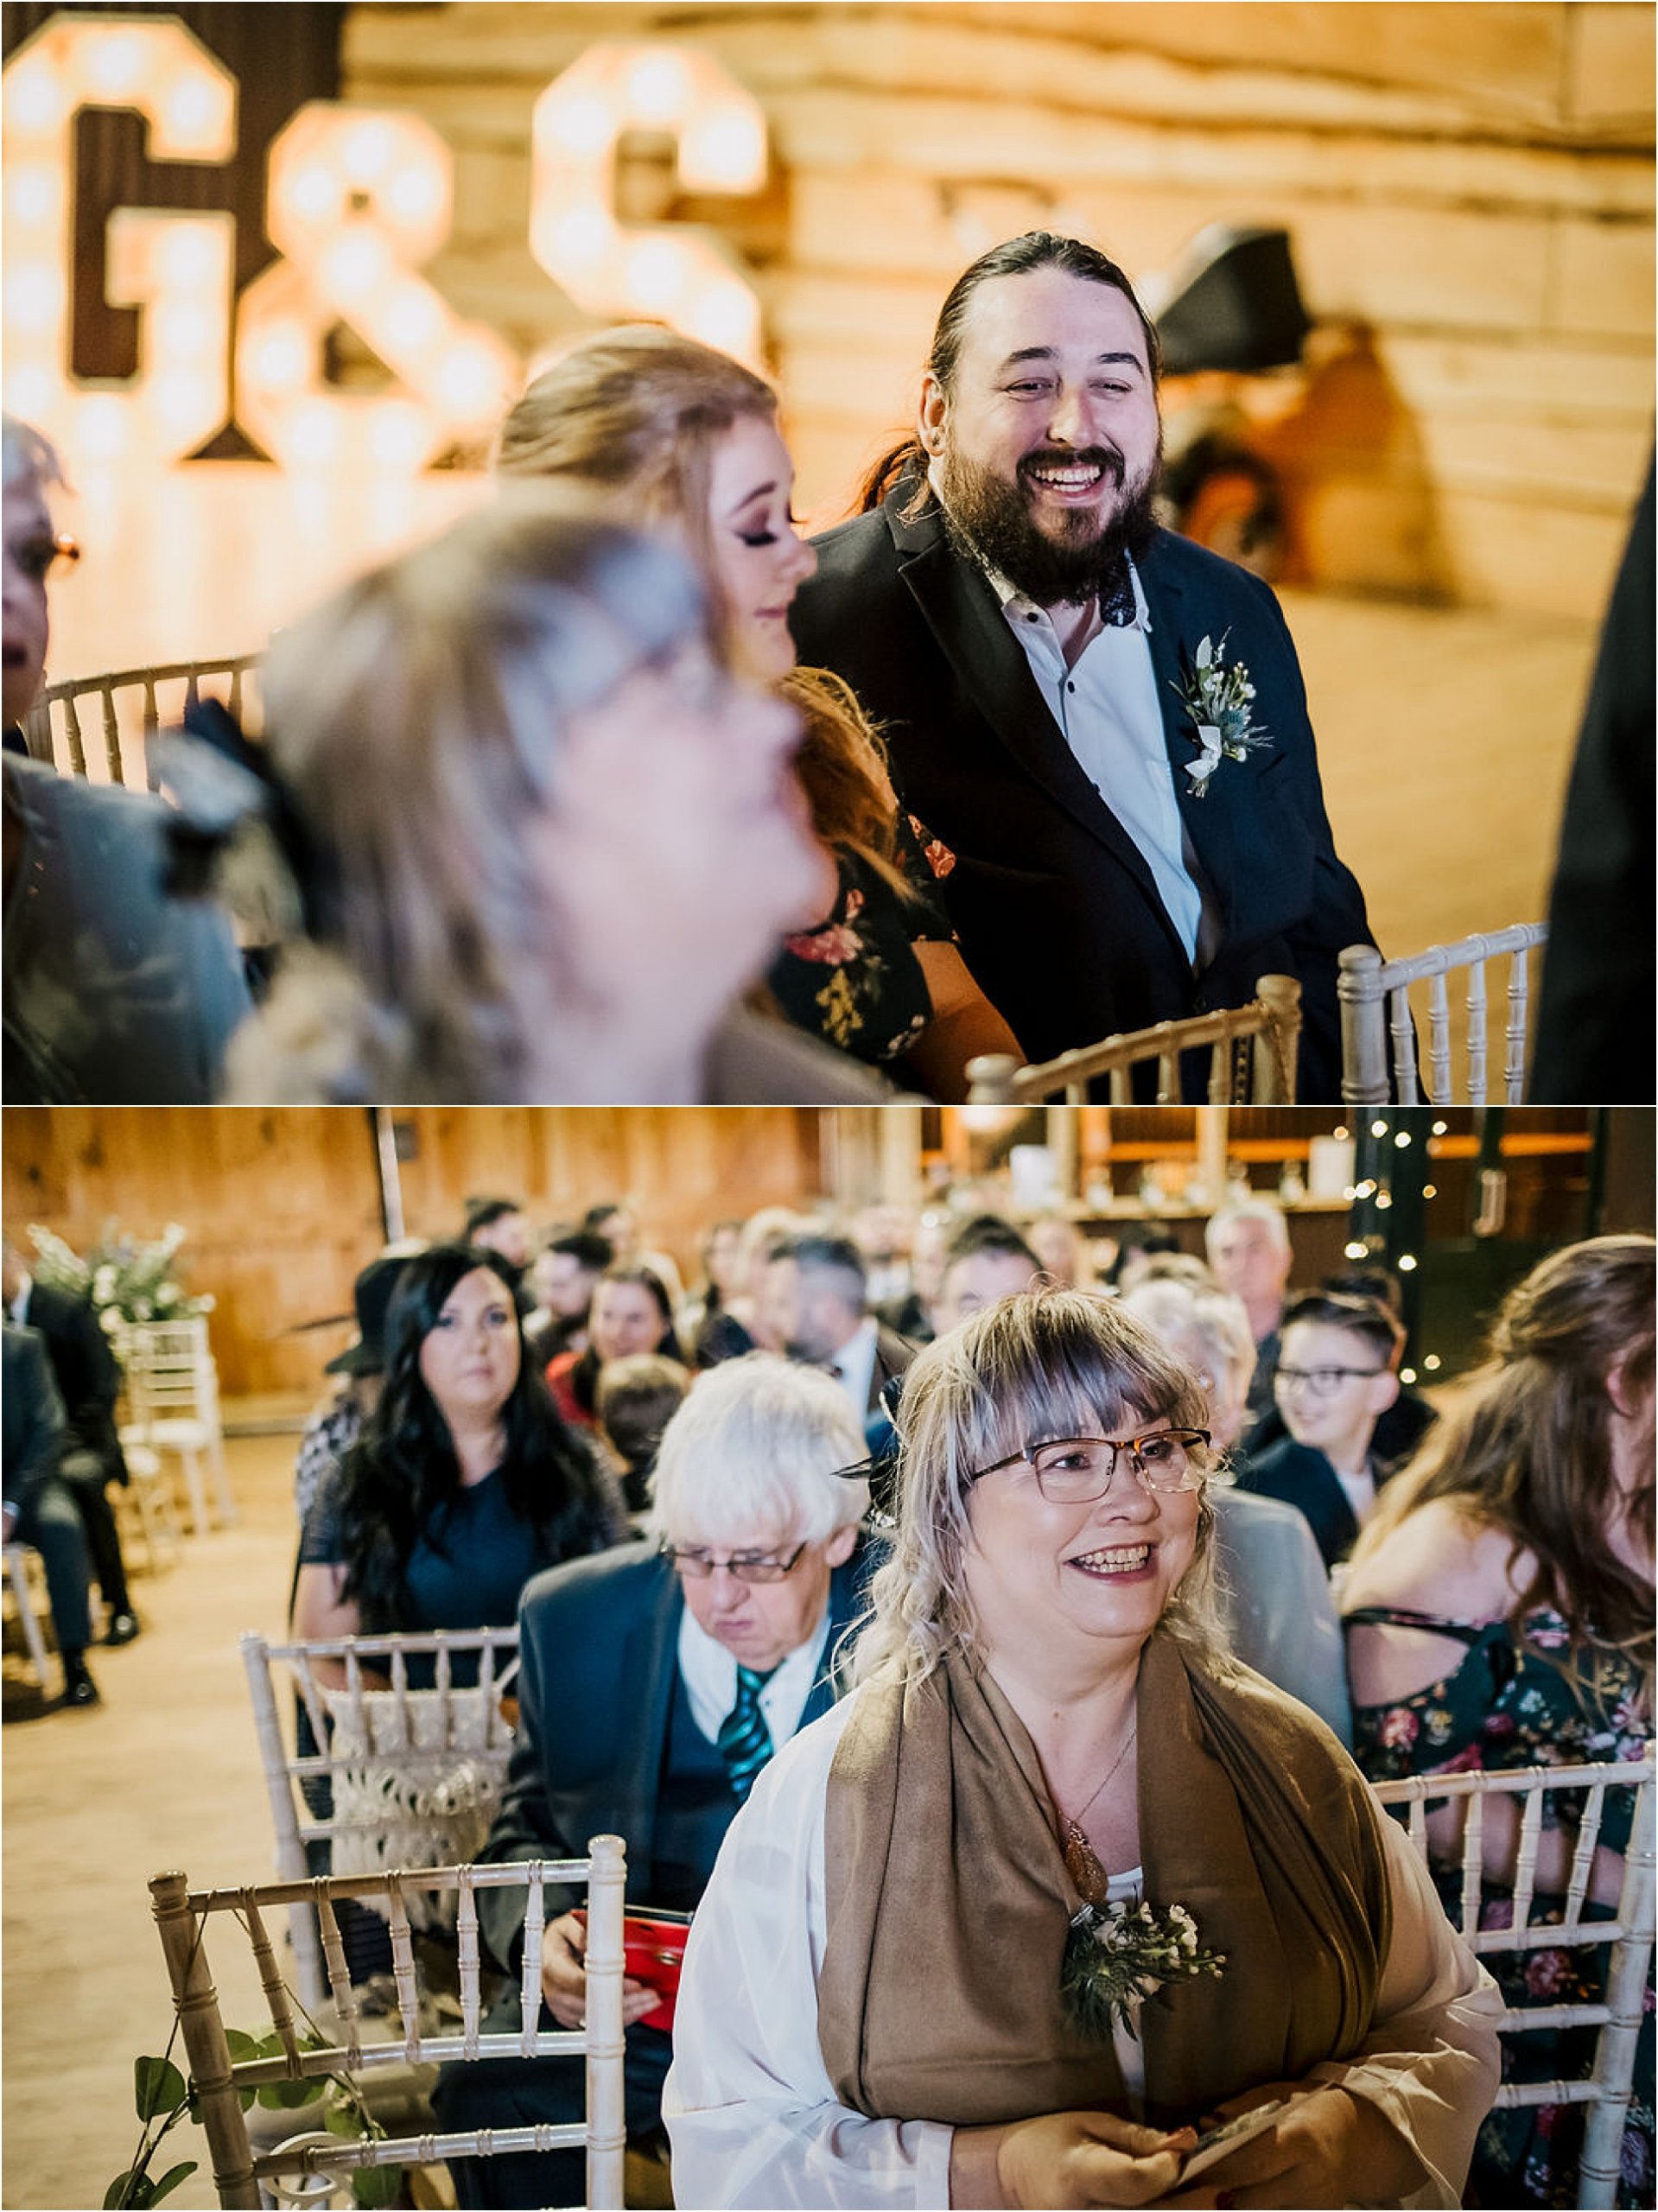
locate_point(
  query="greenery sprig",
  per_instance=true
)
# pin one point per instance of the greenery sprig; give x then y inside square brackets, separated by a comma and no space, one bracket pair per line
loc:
[1117,1955]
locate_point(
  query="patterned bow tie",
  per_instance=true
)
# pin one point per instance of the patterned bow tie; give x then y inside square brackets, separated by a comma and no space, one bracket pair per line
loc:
[745,1740]
[1117,606]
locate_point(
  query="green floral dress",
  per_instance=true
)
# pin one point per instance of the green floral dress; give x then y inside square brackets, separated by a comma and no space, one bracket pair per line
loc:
[1513,1702]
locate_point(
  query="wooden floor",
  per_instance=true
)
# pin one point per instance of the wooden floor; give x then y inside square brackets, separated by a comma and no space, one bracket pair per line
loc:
[165,1773]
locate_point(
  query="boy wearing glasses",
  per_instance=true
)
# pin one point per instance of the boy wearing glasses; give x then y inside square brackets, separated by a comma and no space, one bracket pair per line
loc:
[1337,1375]
[653,1687]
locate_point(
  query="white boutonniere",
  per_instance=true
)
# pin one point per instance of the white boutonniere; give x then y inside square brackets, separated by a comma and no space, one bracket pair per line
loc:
[1117,1955]
[1217,699]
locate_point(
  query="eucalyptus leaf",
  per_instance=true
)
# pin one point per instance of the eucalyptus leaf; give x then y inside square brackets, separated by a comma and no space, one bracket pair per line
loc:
[343,2120]
[157,2085]
[170,2180]
[118,2193]
[242,2046]
[287,2096]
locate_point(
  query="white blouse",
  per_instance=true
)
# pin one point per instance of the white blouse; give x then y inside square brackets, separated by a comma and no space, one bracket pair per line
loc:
[752,2113]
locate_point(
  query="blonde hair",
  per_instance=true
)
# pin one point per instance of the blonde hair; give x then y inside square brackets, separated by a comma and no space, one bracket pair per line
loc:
[1042,1363]
[635,414]
[416,719]
[1528,1450]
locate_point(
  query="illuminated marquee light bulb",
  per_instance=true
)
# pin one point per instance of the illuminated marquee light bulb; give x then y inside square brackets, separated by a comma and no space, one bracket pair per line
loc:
[683,274]
[413,318]
[366,152]
[197,106]
[182,329]
[353,266]
[35,297]
[399,434]
[36,102]
[413,192]
[34,194]
[723,150]
[469,381]
[658,87]
[118,68]
[315,194]
[282,358]
[103,427]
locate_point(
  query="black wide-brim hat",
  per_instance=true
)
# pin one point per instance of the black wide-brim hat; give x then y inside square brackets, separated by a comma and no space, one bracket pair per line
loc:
[372,1294]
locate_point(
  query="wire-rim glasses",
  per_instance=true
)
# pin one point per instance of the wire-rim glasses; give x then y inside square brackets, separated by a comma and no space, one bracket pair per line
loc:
[1078,1470]
[747,1566]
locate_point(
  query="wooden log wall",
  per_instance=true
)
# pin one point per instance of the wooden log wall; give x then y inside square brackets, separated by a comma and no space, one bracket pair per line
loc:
[282,1207]
[1468,188]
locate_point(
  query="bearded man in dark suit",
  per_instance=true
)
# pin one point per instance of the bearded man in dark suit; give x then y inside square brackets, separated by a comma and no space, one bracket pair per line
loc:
[1103,725]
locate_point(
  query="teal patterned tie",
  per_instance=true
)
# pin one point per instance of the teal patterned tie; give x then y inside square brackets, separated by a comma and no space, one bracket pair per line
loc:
[745,1741]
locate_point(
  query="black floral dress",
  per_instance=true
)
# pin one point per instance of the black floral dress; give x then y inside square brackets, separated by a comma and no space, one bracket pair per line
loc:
[1513,1702]
[854,981]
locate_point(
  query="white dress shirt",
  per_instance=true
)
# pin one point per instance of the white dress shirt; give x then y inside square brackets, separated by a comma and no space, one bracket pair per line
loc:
[854,1366]
[752,2112]
[709,1673]
[1109,712]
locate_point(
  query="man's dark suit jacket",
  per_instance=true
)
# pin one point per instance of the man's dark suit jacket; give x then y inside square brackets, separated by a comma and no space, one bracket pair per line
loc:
[599,1655]
[1303,1478]
[89,1379]
[893,1356]
[31,1415]
[1057,914]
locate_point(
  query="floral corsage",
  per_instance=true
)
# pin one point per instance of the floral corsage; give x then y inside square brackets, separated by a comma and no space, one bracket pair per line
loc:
[1118,1955]
[1217,699]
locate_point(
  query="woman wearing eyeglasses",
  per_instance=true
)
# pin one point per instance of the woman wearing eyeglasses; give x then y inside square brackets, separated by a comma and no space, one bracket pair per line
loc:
[1059,1882]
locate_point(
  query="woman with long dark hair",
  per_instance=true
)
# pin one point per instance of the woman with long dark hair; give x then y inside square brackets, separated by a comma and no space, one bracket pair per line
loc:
[465,1482]
[1499,1614]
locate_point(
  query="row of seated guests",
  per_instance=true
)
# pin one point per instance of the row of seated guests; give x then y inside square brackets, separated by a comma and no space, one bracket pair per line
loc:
[62,1451]
[582,727]
[1578,1338]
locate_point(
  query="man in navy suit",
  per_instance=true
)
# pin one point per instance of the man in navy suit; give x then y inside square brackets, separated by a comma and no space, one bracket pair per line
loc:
[652,1687]
[1046,663]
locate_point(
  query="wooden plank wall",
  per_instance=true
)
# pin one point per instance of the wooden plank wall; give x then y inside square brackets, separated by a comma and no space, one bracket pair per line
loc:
[282,1207]
[1468,187]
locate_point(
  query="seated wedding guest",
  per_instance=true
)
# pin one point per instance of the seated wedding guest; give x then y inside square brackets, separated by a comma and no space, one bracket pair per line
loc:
[332,1431]
[720,1253]
[117,991]
[674,434]
[502,1226]
[897,1990]
[1402,1426]
[653,1687]
[1273,1594]
[1499,1614]
[630,1312]
[615,1220]
[562,1275]
[37,1508]
[89,1383]
[987,1259]
[544,836]
[882,1233]
[1338,1373]
[911,1315]
[1142,1247]
[745,1325]
[1069,691]
[1063,1250]
[815,1296]
[635,1399]
[1248,1243]
[465,1482]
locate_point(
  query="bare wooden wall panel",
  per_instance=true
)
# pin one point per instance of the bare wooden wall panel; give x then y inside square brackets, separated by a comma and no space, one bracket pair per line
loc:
[1454,177]
[283,1205]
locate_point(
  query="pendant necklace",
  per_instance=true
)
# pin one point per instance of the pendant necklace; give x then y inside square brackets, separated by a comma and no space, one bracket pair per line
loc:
[1082,1862]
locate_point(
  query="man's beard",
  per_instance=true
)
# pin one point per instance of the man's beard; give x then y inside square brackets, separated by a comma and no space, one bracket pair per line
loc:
[989,520]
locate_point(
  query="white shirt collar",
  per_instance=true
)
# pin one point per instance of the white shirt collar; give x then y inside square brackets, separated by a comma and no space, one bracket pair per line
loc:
[1019,606]
[19,1307]
[709,1673]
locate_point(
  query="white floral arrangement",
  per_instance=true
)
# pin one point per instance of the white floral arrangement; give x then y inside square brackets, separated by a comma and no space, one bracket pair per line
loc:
[1117,1955]
[1217,699]
[126,1279]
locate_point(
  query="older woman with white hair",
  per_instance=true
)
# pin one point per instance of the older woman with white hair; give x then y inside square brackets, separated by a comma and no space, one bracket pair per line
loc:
[545,836]
[1273,1595]
[1059,1883]
[654,1685]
